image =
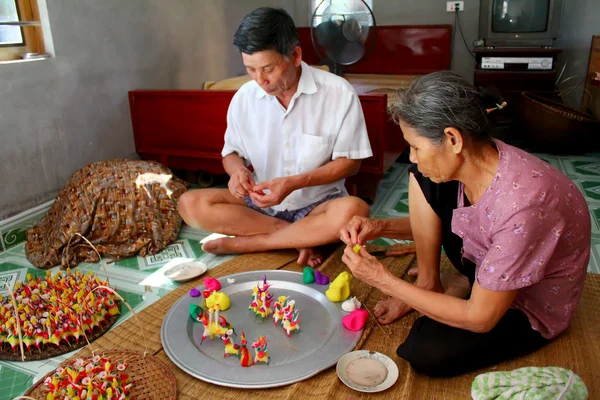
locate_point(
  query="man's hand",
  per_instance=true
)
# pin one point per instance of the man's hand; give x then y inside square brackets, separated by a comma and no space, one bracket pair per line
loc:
[365,267]
[359,230]
[279,189]
[241,183]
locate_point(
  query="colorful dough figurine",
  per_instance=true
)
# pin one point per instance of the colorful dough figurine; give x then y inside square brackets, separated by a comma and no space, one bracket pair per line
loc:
[356,248]
[260,349]
[54,309]
[230,346]
[339,289]
[244,354]
[93,378]
[278,307]
[261,299]
[290,322]
[214,325]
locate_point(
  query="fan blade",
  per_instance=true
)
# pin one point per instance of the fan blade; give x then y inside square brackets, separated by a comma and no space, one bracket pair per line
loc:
[352,30]
[327,33]
[351,53]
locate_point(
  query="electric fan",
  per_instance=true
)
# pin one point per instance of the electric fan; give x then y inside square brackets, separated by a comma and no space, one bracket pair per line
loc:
[342,32]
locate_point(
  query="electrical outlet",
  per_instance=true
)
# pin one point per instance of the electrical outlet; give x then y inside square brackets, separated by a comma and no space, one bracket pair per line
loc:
[452,6]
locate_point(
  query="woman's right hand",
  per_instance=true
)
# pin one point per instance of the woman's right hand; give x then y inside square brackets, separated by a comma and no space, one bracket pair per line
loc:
[241,183]
[359,230]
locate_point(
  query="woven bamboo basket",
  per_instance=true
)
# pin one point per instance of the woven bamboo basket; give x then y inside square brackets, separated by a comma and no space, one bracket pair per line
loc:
[152,379]
[555,128]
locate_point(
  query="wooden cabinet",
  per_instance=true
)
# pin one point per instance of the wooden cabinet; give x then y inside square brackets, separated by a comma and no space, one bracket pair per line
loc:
[511,82]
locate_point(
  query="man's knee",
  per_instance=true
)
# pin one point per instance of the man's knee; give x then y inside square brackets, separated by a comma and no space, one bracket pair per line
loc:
[185,205]
[353,206]
[193,204]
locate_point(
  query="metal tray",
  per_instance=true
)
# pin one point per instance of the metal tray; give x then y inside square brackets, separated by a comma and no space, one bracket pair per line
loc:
[322,340]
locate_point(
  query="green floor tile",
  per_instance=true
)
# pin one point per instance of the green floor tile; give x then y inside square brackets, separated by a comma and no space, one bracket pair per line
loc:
[401,205]
[590,168]
[591,190]
[133,299]
[13,383]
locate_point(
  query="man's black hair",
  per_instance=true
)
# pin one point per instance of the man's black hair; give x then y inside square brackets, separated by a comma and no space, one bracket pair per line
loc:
[267,28]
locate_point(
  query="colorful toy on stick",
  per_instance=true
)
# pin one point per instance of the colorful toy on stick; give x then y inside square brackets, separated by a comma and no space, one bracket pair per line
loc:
[54,309]
[94,378]
[230,346]
[261,299]
[290,322]
[260,349]
[244,354]
[214,325]
[278,308]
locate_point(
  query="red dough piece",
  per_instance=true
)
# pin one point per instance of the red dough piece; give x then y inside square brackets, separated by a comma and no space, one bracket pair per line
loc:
[356,320]
[212,284]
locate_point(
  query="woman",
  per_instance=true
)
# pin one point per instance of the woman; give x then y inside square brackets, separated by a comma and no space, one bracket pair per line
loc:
[515,227]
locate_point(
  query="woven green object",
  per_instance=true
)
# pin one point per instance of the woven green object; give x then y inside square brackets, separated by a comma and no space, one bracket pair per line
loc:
[529,383]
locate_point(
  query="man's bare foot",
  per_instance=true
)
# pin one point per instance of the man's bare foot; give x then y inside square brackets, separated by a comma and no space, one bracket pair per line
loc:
[309,256]
[390,309]
[221,246]
[237,245]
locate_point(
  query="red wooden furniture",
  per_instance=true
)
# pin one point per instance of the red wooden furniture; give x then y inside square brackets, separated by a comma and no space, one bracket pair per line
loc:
[185,130]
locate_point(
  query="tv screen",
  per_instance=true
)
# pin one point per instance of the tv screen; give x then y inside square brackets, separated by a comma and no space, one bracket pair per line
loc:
[520,16]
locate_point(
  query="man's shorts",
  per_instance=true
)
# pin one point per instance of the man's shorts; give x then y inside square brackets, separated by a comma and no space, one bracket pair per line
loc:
[294,215]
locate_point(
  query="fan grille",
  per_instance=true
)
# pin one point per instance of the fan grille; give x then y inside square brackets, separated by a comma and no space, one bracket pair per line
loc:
[341,29]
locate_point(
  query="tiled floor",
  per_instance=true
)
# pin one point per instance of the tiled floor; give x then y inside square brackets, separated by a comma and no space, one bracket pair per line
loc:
[141,281]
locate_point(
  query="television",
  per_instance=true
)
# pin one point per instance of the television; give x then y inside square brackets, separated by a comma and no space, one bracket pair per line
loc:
[520,23]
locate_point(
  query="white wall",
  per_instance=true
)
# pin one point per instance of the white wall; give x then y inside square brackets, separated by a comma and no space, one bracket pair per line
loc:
[581,20]
[58,115]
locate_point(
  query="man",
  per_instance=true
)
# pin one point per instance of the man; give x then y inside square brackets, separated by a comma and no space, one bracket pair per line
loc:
[303,132]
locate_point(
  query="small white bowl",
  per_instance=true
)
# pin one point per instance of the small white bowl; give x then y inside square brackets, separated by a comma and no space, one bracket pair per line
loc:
[389,364]
[185,271]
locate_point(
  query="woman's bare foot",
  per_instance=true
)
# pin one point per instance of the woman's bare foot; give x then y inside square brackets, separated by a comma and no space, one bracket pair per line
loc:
[390,309]
[309,256]
[454,284]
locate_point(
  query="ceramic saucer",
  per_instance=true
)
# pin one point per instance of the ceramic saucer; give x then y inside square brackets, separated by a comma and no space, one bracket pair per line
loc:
[185,271]
[390,365]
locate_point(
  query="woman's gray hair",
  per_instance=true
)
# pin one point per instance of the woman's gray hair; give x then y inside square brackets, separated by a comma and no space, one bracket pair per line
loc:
[441,100]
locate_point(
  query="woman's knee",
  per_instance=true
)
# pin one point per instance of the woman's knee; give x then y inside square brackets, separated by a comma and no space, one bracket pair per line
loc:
[425,354]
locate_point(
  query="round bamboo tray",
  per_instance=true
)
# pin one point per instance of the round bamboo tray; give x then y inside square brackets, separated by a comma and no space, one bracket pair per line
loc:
[49,351]
[152,379]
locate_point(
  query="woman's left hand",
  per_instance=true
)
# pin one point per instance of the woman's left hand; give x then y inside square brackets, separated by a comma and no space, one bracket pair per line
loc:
[364,266]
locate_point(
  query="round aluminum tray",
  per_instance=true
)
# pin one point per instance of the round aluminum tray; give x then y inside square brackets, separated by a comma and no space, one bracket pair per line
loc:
[322,340]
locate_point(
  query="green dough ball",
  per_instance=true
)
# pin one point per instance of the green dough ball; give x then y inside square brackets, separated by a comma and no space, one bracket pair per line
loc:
[308,276]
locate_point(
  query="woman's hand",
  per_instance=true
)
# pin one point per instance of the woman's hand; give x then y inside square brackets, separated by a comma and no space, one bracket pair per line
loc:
[359,230]
[365,267]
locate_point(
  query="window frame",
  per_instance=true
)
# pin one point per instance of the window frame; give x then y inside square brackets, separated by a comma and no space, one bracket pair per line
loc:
[27,10]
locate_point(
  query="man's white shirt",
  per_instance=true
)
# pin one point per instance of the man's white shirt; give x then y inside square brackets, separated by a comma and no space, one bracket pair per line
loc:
[324,121]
